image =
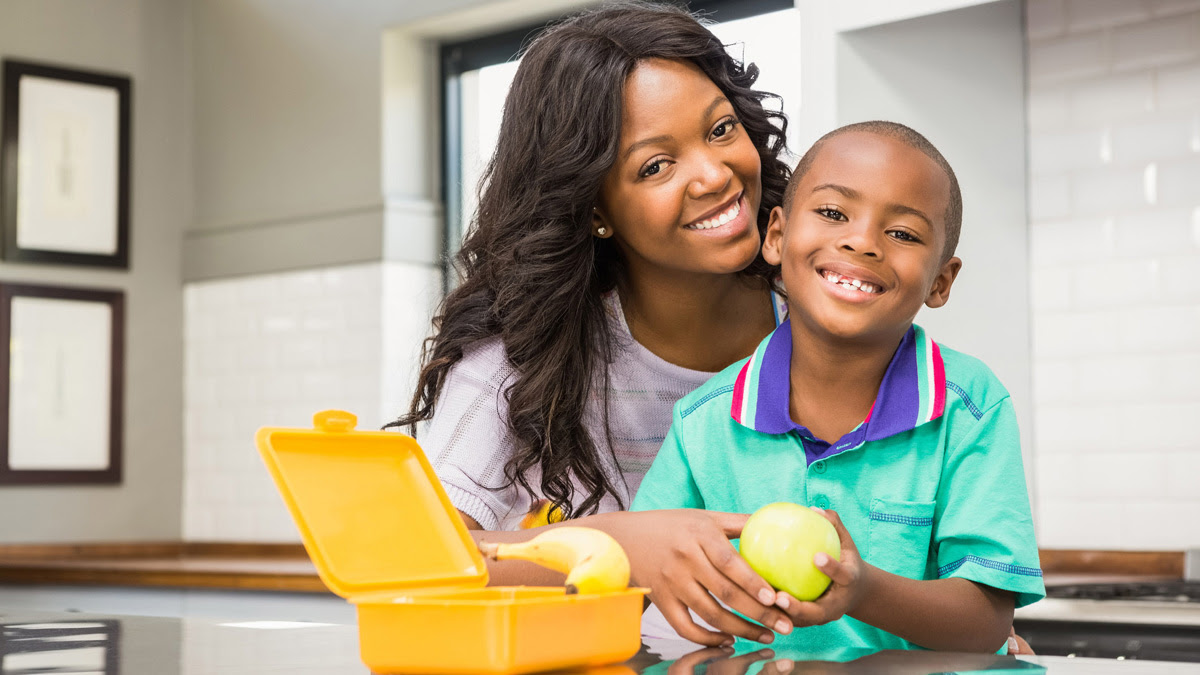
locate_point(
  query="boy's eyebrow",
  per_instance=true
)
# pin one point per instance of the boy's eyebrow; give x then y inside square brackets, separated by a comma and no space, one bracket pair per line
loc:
[659,139]
[851,193]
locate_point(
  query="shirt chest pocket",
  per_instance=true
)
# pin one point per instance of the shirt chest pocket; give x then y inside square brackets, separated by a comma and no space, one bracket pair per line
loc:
[899,536]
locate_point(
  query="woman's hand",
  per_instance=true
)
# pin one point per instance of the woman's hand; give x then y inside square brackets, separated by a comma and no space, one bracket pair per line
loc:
[684,557]
[844,593]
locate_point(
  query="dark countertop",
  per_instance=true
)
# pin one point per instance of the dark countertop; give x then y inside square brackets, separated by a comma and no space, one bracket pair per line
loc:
[41,642]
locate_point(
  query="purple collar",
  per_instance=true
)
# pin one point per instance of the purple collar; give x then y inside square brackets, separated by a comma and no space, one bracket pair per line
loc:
[912,393]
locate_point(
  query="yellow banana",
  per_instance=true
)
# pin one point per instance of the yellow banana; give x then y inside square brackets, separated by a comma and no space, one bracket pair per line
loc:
[593,561]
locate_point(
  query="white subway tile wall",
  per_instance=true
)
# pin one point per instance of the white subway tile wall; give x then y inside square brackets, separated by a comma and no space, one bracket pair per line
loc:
[1114,147]
[272,350]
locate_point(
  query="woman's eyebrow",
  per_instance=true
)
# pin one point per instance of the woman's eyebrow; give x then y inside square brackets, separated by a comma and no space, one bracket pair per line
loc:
[715,102]
[644,141]
[661,139]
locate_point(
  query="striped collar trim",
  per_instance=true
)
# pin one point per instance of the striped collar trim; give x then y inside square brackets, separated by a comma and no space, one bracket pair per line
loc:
[912,393]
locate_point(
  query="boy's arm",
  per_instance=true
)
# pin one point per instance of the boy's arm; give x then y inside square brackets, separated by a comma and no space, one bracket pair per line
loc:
[986,554]
[947,614]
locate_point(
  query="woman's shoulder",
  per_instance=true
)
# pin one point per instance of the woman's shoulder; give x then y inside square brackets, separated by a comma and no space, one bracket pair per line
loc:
[485,361]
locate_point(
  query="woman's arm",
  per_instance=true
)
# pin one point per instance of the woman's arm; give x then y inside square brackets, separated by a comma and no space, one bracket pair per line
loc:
[513,572]
[683,556]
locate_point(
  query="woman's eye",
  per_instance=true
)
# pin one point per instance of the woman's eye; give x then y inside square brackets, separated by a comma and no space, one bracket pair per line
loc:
[832,214]
[725,127]
[902,235]
[652,168]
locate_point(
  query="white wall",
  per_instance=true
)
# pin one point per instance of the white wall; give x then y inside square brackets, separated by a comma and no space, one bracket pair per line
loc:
[272,350]
[148,40]
[1114,140]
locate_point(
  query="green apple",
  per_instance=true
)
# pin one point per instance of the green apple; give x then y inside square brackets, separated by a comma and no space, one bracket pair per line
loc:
[780,540]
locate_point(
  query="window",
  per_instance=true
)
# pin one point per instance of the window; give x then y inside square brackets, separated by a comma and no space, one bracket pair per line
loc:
[476,76]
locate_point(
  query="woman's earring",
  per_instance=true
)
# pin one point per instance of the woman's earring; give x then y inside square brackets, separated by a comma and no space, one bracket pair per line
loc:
[602,230]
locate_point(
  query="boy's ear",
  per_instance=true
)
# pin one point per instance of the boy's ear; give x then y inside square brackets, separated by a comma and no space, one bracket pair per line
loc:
[939,294]
[772,249]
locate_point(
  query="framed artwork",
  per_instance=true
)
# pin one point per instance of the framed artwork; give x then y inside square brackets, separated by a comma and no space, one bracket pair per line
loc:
[61,392]
[76,646]
[65,166]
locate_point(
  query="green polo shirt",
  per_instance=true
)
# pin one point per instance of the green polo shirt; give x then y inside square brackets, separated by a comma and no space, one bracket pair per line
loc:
[930,485]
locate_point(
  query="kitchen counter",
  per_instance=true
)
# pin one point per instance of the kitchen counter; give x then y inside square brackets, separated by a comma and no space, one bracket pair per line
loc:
[40,642]
[286,567]
[263,567]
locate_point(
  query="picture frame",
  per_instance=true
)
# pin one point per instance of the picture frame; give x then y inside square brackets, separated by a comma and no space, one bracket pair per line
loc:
[74,646]
[61,384]
[65,151]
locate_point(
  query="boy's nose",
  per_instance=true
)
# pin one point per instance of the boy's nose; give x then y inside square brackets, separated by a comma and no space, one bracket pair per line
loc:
[860,238]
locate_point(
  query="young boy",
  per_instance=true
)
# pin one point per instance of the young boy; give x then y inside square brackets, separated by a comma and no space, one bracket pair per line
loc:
[909,448]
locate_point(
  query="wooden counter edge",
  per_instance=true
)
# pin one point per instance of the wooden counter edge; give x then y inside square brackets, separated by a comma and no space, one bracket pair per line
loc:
[1133,563]
[33,574]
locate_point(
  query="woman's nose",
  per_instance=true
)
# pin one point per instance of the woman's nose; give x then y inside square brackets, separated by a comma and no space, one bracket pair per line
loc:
[712,176]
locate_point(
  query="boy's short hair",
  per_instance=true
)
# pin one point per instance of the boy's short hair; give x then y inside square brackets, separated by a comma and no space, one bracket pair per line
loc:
[907,136]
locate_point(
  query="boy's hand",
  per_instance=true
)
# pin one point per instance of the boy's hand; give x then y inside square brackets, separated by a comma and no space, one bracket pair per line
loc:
[845,591]
[685,558]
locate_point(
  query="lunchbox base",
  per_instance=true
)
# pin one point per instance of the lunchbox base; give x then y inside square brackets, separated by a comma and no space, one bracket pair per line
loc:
[504,630]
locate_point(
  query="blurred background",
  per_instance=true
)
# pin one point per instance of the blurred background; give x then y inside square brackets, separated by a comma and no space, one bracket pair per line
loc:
[302,169]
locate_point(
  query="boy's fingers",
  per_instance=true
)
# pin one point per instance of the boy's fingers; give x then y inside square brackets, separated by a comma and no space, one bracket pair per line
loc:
[680,619]
[806,613]
[833,569]
[698,599]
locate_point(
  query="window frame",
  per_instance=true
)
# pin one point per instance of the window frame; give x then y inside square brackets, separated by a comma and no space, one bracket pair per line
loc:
[458,57]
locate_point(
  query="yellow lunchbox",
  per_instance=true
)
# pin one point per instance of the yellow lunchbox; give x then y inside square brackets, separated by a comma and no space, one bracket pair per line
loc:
[383,534]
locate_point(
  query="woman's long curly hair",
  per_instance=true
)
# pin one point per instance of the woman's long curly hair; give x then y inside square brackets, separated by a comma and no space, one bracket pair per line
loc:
[532,273]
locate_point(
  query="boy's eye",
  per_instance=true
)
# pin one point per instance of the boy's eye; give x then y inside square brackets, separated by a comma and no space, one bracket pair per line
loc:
[902,235]
[831,213]
[725,127]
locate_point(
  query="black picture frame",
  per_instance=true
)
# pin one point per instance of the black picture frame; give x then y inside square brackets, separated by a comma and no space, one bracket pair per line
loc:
[53,359]
[80,215]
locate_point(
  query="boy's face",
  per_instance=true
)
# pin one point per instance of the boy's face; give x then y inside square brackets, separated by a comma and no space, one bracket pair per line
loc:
[861,246]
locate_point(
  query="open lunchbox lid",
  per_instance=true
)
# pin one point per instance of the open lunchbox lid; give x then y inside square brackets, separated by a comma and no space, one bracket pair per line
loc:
[371,512]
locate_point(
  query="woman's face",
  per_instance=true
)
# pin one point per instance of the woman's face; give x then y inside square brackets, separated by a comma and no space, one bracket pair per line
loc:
[683,195]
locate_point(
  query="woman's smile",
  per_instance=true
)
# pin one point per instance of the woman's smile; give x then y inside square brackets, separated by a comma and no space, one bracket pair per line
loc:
[729,219]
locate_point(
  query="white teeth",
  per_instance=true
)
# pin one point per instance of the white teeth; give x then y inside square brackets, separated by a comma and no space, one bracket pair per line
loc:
[851,284]
[719,219]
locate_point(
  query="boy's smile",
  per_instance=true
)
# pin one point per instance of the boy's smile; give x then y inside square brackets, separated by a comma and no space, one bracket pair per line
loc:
[861,246]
